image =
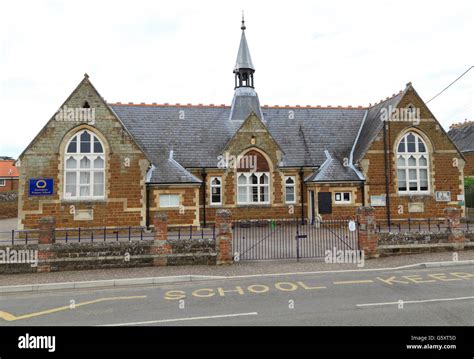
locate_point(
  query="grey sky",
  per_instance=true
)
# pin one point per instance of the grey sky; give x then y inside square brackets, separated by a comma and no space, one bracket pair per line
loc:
[305,53]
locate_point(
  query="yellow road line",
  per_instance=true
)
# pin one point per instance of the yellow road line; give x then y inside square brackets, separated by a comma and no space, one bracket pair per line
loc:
[10,317]
[354,281]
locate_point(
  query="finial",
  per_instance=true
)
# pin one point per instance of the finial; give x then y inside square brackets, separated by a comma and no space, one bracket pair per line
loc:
[243,27]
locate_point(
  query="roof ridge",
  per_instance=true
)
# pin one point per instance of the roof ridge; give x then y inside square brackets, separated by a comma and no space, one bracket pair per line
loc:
[388,98]
[154,104]
[460,125]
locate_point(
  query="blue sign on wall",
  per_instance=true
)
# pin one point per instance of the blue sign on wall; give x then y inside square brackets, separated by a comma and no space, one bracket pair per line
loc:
[41,186]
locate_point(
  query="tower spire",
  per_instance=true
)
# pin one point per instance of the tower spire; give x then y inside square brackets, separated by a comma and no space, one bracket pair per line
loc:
[244,68]
[245,99]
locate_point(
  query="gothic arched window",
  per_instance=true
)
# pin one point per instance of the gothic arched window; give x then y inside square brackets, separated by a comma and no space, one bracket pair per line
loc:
[412,164]
[84,167]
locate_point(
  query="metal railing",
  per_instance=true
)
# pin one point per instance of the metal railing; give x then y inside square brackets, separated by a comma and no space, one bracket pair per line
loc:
[420,225]
[191,233]
[105,234]
[78,235]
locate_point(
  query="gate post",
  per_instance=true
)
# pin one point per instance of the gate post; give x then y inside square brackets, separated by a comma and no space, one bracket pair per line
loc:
[455,233]
[46,237]
[160,246]
[224,237]
[368,237]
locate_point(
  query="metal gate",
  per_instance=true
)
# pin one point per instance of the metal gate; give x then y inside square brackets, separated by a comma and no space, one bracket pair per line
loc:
[294,238]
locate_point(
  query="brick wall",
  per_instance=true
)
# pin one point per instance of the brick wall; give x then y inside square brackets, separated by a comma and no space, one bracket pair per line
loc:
[188,211]
[48,256]
[443,175]
[125,171]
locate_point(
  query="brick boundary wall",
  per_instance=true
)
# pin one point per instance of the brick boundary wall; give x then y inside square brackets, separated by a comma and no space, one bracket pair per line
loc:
[375,244]
[160,251]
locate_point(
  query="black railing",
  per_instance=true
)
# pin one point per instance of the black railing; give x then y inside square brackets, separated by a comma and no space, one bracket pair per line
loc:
[13,237]
[191,232]
[105,234]
[102,234]
[420,225]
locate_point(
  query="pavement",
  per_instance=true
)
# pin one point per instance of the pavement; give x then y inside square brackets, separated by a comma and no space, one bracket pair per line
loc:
[242,268]
[442,296]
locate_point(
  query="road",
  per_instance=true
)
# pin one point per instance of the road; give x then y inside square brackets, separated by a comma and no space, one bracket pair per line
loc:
[431,296]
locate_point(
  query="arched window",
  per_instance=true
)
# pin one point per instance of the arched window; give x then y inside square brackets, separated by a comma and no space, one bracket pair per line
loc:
[253,179]
[253,188]
[412,164]
[290,189]
[216,190]
[84,167]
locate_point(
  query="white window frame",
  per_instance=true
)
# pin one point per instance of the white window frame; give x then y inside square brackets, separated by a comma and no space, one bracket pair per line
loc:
[286,185]
[3,182]
[250,186]
[169,204]
[342,200]
[218,186]
[417,155]
[91,156]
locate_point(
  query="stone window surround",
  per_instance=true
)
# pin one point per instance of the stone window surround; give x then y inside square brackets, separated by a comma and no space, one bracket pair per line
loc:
[342,201]
[285,178]
[429,155]
[220,186]
[249,187]
[61,164]
[92,157]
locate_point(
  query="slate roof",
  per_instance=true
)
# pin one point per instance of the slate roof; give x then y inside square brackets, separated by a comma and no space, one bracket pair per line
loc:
[244,61]
[198,139]
[463,137]
[245,102]
[373,125]
[332,170]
